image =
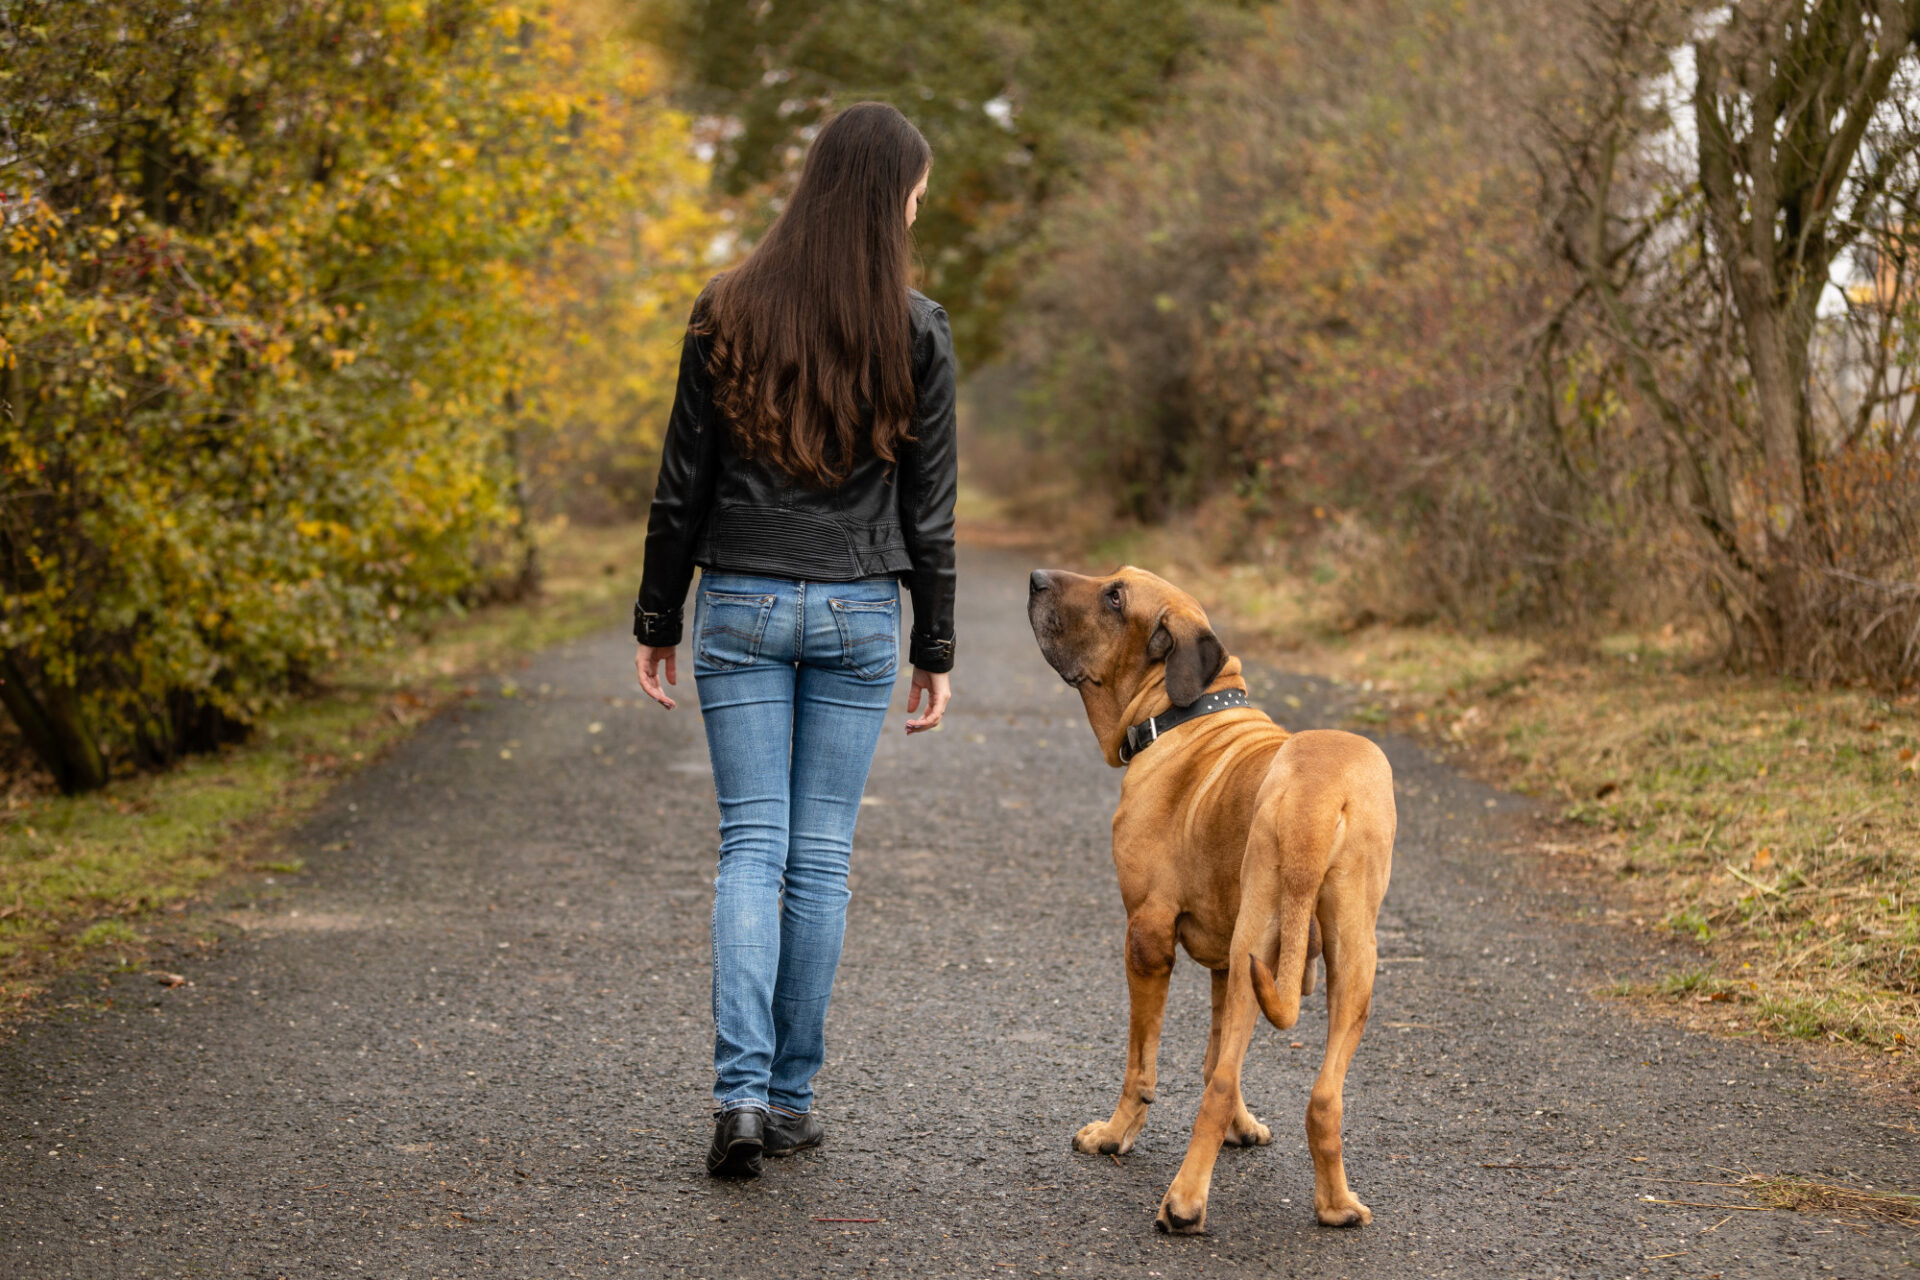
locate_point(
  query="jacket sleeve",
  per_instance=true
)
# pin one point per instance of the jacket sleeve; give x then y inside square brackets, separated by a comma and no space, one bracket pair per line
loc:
[929,475]
[682,496]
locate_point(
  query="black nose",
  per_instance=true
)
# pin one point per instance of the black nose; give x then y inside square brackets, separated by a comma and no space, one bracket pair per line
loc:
[1038,581]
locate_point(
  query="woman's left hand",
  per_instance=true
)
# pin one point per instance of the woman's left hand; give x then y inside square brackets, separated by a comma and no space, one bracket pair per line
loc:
[934,684]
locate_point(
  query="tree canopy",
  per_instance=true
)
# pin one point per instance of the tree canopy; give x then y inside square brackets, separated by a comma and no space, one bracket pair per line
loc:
[284,290]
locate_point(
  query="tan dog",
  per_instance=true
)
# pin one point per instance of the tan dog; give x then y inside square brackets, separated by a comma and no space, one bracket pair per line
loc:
[1235,840]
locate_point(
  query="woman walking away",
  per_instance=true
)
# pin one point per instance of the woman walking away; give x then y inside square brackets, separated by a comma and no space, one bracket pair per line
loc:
[809,464]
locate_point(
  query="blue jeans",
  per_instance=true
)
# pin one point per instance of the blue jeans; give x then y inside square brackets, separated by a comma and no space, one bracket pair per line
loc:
[794,681]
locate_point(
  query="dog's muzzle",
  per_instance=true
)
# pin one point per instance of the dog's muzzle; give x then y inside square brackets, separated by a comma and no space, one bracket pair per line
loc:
[1041,616]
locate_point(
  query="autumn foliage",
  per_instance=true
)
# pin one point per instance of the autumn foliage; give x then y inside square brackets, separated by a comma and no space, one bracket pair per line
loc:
[296,301]
[1506,311]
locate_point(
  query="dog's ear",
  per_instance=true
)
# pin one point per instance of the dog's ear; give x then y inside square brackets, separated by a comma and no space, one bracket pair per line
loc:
[1193,654]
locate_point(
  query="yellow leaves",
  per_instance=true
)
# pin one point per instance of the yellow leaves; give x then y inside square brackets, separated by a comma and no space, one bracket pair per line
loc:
[324,530]
[291,415]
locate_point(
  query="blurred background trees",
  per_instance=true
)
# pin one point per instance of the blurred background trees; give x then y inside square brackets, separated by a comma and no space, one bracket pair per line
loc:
[1523,315]
[1504,314]
[296,303]
[1019,97]
[1736,193]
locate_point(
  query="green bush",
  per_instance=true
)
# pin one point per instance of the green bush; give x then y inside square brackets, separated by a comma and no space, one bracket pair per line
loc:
[273,278]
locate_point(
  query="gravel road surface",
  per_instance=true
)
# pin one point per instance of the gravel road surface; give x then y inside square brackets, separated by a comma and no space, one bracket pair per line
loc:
[473,1039]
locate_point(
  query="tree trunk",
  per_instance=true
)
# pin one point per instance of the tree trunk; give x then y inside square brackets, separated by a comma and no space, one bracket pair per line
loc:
[526,581]
[1779,392]
[53,728]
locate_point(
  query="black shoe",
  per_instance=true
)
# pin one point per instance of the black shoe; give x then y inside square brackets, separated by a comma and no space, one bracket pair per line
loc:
[787,1134]
[738,1136]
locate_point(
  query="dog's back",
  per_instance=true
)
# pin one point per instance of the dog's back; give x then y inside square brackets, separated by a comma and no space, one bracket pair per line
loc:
[1184,815]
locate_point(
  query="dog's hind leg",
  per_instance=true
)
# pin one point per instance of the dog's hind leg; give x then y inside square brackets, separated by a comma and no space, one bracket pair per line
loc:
[1150,942]
[1347,932]
[1183,1210]
[1245,1131]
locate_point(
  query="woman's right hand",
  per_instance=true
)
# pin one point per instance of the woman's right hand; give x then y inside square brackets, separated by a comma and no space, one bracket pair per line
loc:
[934,684]
[646,663]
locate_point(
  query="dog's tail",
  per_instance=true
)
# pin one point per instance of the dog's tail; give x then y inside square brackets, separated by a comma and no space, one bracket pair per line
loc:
[1292,941]
[1280,1001]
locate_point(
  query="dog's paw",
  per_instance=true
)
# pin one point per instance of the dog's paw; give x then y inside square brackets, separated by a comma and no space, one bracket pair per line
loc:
[1101,1139]
[1247,1132]
[1349,1214]
[1180,1219]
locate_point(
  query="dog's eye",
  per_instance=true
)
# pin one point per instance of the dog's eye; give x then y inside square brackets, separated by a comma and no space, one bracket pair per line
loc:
[1113,599]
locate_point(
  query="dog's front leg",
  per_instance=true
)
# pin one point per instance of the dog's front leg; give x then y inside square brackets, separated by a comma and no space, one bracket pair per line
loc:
[1149,965]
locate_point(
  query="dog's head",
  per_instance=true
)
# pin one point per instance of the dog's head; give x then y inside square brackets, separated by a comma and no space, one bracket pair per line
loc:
[1132,643]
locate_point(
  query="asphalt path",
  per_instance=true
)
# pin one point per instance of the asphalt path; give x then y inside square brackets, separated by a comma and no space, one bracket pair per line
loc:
[473,1039]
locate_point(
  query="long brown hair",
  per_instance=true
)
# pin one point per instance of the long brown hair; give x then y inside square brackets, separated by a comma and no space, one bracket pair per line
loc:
[811,333]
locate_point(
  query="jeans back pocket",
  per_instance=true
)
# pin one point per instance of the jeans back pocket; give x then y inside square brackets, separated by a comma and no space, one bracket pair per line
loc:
[869,636]
[731,628]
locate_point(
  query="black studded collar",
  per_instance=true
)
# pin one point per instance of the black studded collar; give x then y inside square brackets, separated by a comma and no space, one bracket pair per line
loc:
[1143,735]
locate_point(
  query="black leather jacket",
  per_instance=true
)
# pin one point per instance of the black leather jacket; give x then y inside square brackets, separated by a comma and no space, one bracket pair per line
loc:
[713,508]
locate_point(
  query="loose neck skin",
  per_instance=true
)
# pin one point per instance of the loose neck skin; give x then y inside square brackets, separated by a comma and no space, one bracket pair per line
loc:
[1111,717]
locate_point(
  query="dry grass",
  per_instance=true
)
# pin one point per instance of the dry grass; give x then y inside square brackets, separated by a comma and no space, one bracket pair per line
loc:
[1775,823]
[1855,1205]
[91,880]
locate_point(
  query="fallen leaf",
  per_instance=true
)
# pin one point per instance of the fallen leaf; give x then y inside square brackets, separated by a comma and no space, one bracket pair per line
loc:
[168,979]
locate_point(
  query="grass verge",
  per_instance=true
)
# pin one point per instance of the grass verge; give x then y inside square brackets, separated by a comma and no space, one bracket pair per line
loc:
[1776,824]
[91,880]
